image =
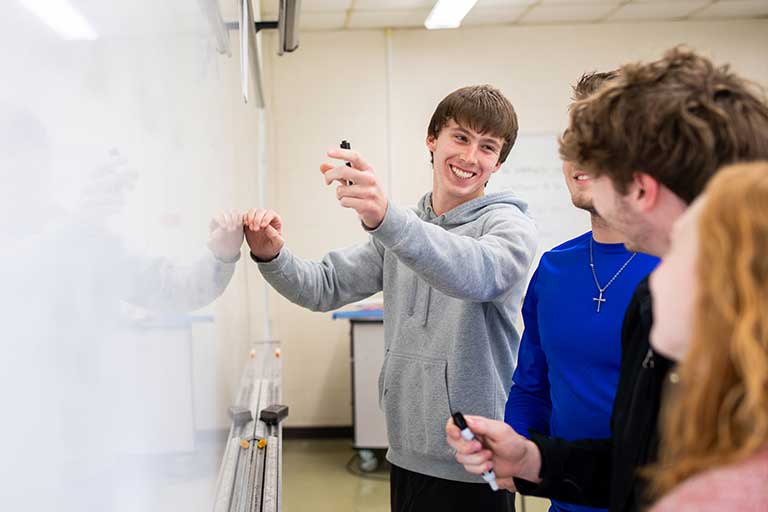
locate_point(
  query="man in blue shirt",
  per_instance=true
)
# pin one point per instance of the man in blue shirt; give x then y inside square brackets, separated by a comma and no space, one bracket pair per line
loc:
[570,353]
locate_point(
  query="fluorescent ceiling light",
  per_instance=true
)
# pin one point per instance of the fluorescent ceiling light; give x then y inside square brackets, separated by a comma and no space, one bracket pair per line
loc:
[448,13]
[62,18]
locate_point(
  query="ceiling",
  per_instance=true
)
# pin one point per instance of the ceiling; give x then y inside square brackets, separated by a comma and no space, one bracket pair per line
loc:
[318,15]
[137,18]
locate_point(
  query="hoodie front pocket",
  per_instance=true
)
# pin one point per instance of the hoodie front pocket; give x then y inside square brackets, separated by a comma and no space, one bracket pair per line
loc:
[416,406]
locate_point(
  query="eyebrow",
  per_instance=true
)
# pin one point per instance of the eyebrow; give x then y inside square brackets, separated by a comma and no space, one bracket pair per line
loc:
[492,140]
[462,130]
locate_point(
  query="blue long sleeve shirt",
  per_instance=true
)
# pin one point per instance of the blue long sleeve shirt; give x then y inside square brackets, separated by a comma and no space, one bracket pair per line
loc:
[569,356]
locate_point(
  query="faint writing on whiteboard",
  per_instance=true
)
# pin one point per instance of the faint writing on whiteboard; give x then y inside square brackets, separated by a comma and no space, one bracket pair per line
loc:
[533,171]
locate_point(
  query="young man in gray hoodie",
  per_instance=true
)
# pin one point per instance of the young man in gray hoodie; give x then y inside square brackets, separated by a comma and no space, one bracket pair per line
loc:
[453,272]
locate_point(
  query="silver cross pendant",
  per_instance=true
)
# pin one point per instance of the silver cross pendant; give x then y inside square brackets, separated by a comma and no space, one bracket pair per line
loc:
[599,300]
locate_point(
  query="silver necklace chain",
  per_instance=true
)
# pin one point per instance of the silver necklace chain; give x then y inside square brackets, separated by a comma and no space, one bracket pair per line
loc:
[601,289]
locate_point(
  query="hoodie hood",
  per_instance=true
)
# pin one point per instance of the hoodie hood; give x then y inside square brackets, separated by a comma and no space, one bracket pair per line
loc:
[471,210]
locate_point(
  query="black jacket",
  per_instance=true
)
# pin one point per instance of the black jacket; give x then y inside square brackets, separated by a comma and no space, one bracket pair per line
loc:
[603,472]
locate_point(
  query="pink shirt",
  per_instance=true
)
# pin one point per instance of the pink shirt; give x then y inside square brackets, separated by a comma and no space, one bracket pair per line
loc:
[741,487]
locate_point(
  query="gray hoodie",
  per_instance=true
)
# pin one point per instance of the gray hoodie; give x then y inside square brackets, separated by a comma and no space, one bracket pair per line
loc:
[453,285]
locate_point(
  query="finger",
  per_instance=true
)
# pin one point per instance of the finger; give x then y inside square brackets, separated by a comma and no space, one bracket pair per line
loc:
[254,216]
[324,168]
[277,223]
[237,219]
[457,443]
[352,157]
[259,220]
[273,234]
[256,219]
[469,448]
[453,437]
[451,430]
[354,190]
[354,203]
[494,430]
[250,216]
[342,174]
[346,174]
[269,216]
[218,221]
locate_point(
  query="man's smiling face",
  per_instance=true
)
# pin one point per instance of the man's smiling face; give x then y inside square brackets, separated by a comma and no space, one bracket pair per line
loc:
[463,161]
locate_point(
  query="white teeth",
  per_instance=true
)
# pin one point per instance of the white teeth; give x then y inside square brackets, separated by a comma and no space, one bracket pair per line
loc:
[461,174]
[582,177]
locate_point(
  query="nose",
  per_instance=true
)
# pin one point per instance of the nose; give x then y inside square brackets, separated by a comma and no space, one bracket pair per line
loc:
[469,154]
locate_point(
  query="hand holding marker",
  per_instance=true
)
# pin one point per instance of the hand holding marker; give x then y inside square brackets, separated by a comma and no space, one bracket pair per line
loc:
[468,435]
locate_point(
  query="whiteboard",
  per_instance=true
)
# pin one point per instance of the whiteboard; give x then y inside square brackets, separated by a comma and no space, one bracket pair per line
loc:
[115,152]
[533,171]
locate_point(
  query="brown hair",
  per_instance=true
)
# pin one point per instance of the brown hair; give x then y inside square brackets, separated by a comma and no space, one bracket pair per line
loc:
[677,119]
[482,108]
[719,415]
[591,82]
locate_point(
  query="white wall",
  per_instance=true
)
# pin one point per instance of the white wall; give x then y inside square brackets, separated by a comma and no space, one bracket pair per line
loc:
[335,87]
[328,91]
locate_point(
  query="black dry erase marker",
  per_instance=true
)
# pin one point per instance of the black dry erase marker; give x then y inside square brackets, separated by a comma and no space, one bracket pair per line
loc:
[346,145]
[466,433]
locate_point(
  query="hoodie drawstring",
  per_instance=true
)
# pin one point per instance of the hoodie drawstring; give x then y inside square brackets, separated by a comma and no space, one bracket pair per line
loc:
[426,306]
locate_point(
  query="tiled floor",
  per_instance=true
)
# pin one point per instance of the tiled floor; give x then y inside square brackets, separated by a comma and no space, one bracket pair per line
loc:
[316,479]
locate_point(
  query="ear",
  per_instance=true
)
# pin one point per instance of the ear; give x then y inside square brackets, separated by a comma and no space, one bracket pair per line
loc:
[496,168]
[431,143]
[644,191]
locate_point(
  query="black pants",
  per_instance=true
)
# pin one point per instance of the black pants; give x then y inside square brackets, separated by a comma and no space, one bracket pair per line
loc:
[414,492]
